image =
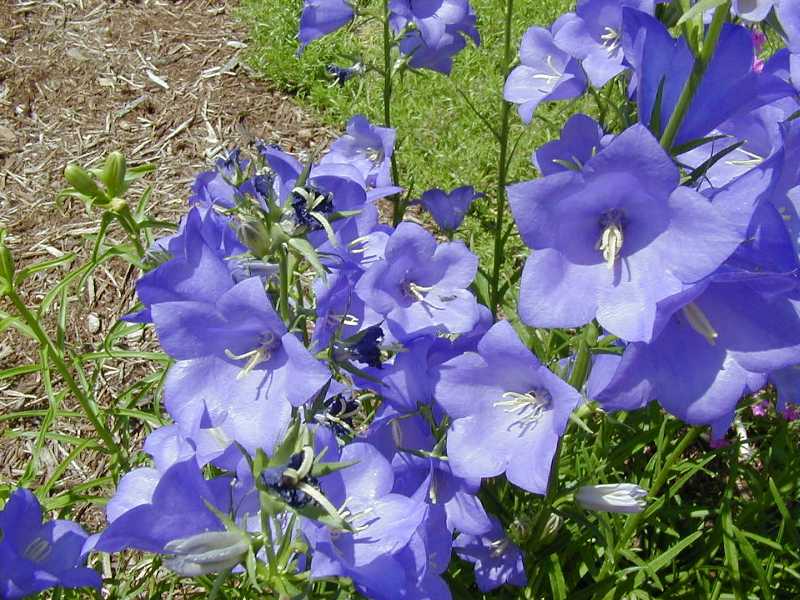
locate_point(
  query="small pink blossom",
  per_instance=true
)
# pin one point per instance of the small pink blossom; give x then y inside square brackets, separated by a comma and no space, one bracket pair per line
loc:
[761,409]
[791,412]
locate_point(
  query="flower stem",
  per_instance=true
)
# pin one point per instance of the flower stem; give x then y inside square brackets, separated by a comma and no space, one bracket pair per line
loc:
[502,168]
[283,298]
[86,405]
[399,205]
[632,524]
[698,70]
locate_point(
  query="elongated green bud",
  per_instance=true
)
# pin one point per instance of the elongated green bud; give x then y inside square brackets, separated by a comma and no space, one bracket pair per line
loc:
[6,264]
[78,178]
[113,174]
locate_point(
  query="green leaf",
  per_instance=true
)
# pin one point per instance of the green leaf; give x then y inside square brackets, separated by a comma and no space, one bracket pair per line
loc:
[306,250]
[326,468]
[669,556]
[699,8]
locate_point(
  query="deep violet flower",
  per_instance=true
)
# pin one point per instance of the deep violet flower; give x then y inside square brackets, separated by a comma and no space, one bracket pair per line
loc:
[546,73]
[421,287]
[611,241]
[508,411]
[449,209]
[36,556]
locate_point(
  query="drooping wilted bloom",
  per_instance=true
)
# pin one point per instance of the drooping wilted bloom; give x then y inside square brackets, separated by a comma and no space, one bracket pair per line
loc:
[594,36]
[421,287]
[497,559]
[581,138]
[546,73]
[36,556]
[611,241]
[321,17]
[508,411]
[612,497]
[449,209]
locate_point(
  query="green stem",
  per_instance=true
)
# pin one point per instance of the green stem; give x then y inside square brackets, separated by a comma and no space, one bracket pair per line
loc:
[86,405]
[283,298]
[399,204]
[696,76]
[131,227]
[634,520]
[502,168]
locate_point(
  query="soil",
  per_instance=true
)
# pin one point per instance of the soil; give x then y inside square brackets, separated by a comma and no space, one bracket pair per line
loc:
[165,83]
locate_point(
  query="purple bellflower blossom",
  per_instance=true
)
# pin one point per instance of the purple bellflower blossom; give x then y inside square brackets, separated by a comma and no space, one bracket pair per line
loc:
[421,287]
[382,525]
[497,560]
[594,36]
[546,73]
[435,31]
[154,518]
[36,556]
[367,147]
[611,241]
[321,17]
[508,411]
[729,87]
[754,10]
[717,343]
[581,138]
[449,209]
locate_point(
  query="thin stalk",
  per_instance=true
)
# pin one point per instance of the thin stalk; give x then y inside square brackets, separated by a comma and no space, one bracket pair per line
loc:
[698,70]
[632,524]
[399,204]
[283,298]
[502,168]
[86,405]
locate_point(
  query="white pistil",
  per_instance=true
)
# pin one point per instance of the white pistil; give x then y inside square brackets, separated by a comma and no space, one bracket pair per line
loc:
[254,357]
[700,323]
[610,244]
[549,79]
[419,293]
[499,547]
[611,40]
[529,407]
[753,160]
[38,550]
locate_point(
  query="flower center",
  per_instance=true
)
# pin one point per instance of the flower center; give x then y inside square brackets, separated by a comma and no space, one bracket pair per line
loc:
[611,238]
[528,407]
[38,550]
[699,322]
[499,547]
[419,293]
[269,342]
[549,79]
[611,40]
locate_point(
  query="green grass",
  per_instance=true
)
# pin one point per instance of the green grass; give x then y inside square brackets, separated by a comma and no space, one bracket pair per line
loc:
[441,141]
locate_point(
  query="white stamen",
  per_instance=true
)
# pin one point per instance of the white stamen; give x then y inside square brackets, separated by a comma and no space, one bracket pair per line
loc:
[551,79]
[499,547]
[529,407]
[610,244]
[416,291]
[700,323]
[255,357]
[753,160]
[611,40]
[38,550]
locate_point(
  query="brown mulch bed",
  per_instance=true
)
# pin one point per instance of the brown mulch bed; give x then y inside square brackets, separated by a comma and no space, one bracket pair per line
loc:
[162,81]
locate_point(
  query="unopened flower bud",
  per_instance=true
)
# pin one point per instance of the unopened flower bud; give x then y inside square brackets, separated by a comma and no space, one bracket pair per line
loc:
[113,174]
[78,178]
[612,497]
[255,236]
[204,553]
[117,205]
